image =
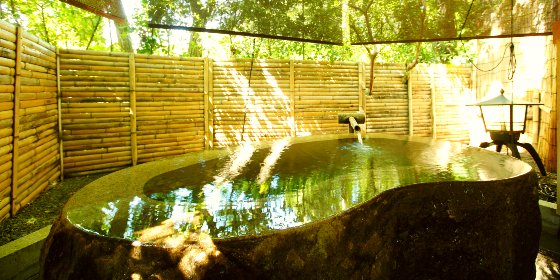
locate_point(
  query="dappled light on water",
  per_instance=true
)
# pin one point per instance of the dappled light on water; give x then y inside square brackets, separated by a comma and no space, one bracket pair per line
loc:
[283,185]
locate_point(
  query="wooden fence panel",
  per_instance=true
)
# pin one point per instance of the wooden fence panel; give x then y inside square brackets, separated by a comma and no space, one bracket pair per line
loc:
[169,105]
[546,114]
[421,80]
[95,111]
[251,101]
[322,90]
[440,95]
[387,105]
[38,153]
[28,118]
[7,72]
[452,86]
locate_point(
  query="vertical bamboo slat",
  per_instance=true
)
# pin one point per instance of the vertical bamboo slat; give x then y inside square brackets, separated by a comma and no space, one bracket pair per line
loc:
[207,130]
[410,111]
[15,137]
[556,42]
[292,100]
[433,95]
[133,136]
[361,87]
[210,104]
[361,94]
[59,108]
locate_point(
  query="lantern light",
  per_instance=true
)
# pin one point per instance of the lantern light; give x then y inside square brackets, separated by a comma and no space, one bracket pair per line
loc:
[506,120]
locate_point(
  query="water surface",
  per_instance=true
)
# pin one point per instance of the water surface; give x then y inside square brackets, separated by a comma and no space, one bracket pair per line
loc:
[253,191]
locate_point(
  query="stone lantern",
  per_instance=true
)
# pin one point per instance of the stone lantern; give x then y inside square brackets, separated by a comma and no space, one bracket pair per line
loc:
[506,120]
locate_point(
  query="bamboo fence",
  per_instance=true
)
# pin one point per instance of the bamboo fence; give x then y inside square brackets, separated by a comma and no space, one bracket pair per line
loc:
[29,151]
[122,109]
[105,111]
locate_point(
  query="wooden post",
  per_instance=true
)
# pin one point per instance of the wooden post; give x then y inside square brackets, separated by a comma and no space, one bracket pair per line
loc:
[292,99]
[207,129]
[556,41]
[59,108]
[132,88]
[410,117]
[361,93]
[210,109]
[434,103]
[15,131]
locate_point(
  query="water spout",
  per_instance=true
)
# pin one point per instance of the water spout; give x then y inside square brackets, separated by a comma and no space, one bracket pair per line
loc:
[359,135]
[353,120]
[353,124]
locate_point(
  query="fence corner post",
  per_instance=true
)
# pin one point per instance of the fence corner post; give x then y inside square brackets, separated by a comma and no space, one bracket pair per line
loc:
[556,41]
[15,130]
[132,89]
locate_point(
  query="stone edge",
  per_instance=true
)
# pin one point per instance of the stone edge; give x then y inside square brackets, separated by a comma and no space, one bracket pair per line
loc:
[19,259]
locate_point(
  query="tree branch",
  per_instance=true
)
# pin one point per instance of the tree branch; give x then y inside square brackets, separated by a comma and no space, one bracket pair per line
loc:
[93,33]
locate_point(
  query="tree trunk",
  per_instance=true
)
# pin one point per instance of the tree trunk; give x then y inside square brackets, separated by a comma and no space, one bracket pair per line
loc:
[122,31]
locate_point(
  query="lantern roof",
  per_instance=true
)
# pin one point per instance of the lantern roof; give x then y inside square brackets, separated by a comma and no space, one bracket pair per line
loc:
[502,100]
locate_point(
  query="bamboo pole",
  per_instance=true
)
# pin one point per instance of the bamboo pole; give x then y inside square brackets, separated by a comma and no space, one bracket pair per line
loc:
[133,136]
[15,130]
[360,87]
[556,41]
[434,103]
[207,129]
[59,103]
[292,99]
[410,111]
[362,94]
[211,103]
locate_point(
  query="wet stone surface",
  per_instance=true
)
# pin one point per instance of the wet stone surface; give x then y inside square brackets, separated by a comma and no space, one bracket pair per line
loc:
[419,210]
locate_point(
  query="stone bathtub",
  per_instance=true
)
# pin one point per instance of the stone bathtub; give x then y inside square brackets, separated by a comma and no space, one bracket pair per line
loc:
[321,207]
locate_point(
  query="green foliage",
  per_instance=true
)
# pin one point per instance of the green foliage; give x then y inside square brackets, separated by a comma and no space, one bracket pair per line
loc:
[56,22]
[244,47]
[70,27]
[445,52]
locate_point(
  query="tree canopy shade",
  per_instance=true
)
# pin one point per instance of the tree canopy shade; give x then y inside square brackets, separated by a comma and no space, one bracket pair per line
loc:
[359,21]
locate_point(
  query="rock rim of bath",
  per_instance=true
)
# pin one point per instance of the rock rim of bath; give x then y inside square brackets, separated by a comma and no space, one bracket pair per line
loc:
[435,230]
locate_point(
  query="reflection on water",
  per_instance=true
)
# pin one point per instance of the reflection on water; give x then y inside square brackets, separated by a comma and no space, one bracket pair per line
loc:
[256,191]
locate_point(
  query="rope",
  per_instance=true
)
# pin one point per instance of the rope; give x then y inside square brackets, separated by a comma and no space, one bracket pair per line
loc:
[512,60]
[250,77]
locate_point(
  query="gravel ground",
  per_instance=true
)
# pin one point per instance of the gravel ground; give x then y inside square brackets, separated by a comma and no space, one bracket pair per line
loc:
[43,211]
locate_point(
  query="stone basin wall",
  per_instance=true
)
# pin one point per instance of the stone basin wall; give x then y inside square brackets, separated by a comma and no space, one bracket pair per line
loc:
[448,230]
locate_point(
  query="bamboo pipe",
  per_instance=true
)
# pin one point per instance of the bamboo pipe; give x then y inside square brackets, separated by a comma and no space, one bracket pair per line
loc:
[352,119]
